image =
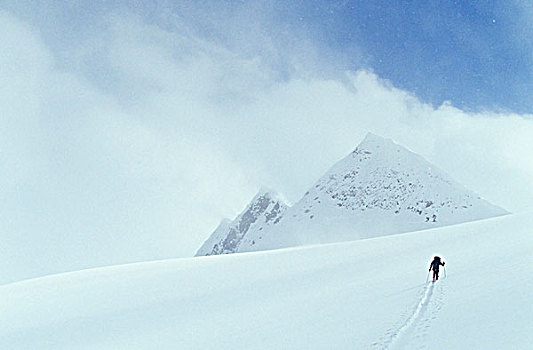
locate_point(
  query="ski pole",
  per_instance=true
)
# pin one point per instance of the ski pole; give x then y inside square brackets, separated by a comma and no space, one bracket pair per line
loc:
[444,271]
[427,276]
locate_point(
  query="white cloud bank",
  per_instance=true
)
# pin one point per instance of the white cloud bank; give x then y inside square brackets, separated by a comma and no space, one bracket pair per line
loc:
[148,137]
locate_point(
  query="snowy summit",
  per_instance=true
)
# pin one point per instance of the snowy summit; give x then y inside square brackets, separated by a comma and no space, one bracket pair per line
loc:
[381,188]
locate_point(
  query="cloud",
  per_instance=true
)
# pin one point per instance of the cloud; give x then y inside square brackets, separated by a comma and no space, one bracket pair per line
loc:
[148,135]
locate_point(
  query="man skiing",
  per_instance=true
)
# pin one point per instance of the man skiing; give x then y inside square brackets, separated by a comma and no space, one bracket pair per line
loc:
[435,265]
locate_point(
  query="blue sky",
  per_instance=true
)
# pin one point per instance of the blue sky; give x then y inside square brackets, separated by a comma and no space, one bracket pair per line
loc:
[476,54]
[129,129]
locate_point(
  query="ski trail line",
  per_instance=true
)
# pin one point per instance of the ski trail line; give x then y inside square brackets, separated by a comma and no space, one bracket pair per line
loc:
[421,307]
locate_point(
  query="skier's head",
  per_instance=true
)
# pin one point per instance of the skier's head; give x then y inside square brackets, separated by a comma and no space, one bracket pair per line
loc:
[436,257]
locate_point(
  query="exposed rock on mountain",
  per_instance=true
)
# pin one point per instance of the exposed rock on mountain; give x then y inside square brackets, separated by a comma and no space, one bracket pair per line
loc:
[379,189]
[265,211]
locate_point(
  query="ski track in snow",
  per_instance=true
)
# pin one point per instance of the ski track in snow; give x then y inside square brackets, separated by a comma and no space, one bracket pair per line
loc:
[411,333]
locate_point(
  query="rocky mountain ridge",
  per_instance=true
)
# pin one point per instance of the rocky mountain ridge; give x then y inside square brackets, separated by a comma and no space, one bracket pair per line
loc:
[265,209]
[381,188]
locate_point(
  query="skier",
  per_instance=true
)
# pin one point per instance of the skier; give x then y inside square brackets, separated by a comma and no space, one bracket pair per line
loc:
[435,265]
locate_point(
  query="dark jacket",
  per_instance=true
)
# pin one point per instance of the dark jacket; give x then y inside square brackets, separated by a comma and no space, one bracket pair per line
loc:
[435,264]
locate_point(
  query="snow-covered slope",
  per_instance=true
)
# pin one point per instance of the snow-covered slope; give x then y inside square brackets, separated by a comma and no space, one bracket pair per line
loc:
[264,211]
[367,294]
[381,188]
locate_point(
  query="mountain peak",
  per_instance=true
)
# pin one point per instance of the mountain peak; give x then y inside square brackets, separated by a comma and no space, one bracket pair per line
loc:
[271,194]
[265,209]
[373,138]
[381,188]
[373,141]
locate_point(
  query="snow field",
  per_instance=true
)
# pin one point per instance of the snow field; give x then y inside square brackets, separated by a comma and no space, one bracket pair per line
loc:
[367,294]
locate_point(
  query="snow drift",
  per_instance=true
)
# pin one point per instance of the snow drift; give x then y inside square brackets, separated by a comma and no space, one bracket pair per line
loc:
[367,294]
